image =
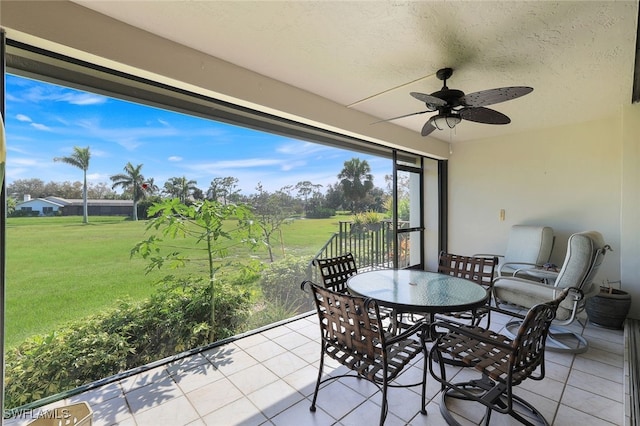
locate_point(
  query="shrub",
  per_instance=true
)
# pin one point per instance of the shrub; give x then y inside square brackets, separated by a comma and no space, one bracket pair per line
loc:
[320,213]
[172,320]
[366,218]
[281,281]
[20,213]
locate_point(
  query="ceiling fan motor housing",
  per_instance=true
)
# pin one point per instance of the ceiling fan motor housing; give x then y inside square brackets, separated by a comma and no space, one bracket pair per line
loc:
[451,96]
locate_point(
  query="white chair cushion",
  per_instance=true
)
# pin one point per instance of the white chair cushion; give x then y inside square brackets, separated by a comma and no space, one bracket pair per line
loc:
[529,244]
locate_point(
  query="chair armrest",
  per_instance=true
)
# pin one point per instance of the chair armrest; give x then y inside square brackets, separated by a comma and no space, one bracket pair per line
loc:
[520,280]
[516,270]
[470,331]
[487,255]
[575,292]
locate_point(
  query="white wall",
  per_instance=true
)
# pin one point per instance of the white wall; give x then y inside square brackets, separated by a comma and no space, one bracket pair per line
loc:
[630,209]
[569,178]
[37,205]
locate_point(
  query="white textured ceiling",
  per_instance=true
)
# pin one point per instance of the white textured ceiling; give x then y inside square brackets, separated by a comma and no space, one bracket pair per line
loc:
[368,55]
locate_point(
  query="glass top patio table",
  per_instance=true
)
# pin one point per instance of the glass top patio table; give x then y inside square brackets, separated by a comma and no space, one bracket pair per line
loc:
[410,290]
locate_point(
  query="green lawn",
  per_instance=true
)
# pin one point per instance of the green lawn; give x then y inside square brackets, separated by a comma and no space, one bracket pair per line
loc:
[59,269]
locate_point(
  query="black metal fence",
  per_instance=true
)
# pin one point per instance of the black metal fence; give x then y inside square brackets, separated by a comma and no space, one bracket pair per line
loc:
[372,246]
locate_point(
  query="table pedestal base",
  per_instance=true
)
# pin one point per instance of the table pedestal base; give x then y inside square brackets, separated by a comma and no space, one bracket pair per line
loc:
[522,411]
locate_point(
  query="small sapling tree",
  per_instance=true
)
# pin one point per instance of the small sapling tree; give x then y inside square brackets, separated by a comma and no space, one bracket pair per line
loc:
[213,227]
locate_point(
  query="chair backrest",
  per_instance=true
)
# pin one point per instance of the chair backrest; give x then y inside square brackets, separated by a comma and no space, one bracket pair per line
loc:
[529,342]
[348,321]
[585,253]
[336,270]
[478,269]
[529,244]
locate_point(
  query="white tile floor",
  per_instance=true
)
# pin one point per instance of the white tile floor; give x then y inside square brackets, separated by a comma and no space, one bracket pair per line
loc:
[268,379]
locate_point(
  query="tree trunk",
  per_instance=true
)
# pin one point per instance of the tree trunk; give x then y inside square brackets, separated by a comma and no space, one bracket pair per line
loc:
[85,209]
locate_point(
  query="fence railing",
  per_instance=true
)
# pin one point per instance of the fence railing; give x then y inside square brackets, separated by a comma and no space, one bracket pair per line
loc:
[371,245]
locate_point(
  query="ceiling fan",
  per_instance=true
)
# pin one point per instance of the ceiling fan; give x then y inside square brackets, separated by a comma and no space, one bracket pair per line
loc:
[453,105]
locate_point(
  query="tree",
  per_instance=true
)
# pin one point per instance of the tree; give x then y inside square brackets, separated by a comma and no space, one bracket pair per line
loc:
[101,191]
[180,187]
[11,205]
[334,198]
[66,189]
[223,187]
[150,188]
[80,159]
[205,222]
[271,211]
[35,188]
[131,181]
[198,194]
[356,181]
[305,189]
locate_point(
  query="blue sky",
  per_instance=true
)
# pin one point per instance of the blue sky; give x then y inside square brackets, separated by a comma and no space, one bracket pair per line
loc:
[44,121]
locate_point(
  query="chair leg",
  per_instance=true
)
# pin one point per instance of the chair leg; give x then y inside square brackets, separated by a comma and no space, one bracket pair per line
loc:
[385,408]
[559,338]
[315,393]
[423,407]
[562,340]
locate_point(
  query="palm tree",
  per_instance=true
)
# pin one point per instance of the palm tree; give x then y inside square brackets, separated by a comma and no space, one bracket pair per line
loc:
[131,181]
[356,180]
[80,159]
[180,187]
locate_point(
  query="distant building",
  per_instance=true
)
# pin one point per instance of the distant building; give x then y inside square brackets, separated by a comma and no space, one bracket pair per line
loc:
[50,206]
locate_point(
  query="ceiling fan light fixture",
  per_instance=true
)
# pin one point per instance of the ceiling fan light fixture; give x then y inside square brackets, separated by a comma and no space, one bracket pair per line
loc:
[443,121]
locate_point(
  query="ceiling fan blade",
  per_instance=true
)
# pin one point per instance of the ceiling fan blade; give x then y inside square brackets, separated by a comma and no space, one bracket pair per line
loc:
[484,115]
[428,99]
[402,116]
[428,127]
[494,96]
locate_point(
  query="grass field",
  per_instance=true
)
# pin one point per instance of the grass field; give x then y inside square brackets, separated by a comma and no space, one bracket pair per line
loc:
[59,269]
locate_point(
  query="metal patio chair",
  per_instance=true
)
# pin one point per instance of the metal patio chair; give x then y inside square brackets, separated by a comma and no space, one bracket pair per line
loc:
[478,269]
[503,362]
[353,335]
[335,271]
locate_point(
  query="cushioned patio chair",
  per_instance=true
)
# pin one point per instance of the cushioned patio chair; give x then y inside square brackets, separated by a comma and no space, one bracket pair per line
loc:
[477,269]
[585,253]
[352,334]
[503,363]
[528,246]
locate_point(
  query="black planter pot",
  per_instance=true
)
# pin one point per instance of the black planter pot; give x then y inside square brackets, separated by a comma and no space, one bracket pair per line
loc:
[609,309]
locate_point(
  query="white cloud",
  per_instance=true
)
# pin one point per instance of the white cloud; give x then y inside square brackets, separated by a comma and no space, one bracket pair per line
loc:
[174,158]
[290,165]
[99,153]
[100,177]
[300,149]
[22,117]
[129,138]
[82,98]
[41,127]
[220,167]
[23,162]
